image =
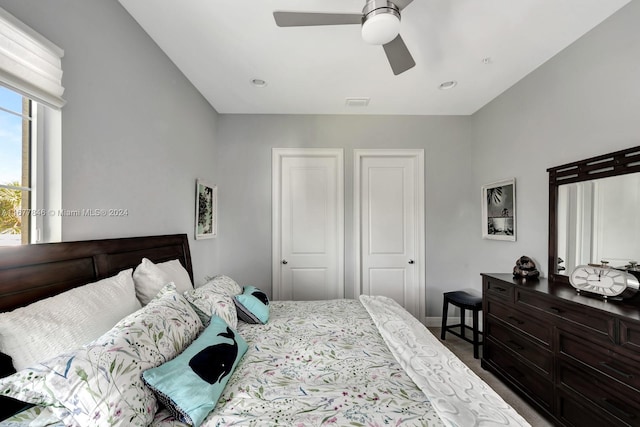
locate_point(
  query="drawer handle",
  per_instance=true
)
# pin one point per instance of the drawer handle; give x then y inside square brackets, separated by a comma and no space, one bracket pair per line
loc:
[617,371]
[499,289]
[518,321]
[515,345]
[613,408]
[555,310]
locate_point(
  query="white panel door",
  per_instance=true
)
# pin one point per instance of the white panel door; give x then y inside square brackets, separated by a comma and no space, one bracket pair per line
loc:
[390,217]
[308,224]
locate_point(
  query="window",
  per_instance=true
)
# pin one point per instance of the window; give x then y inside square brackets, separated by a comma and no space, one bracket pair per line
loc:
[16,168]
[30,135]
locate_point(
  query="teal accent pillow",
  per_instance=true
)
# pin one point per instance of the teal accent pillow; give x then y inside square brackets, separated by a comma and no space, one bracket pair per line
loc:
[191,384]
[252,305]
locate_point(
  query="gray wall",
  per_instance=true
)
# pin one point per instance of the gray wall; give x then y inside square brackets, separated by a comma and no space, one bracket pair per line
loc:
[583,102]
[244,146]
[136,133]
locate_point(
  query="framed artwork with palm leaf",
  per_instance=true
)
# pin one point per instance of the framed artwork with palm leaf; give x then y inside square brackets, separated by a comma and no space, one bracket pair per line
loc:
[499,210]
[206,210]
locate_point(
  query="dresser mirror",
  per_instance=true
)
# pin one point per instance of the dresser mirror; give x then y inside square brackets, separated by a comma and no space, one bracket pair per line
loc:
[594,212]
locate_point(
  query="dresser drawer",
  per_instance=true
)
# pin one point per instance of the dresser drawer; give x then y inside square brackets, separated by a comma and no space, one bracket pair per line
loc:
[575,412]
[598,321]
[534,327]
[531,382]
[618,401]
[498,289]
[599,358]
[517,343]
[630,336]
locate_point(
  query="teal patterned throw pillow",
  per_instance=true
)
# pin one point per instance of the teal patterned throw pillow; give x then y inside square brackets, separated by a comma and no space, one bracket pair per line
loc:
[191,384]
[252,305]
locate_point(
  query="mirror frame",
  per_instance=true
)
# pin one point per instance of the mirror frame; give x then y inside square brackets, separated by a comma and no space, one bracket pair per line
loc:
[612,164]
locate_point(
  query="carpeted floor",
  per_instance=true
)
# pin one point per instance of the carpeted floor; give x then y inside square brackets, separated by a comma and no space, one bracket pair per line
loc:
[464,351]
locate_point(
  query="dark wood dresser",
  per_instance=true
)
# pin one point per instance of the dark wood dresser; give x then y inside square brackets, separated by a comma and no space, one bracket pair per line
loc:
[575,358]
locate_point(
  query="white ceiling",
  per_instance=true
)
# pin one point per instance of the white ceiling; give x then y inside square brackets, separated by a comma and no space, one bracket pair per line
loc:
[222,45]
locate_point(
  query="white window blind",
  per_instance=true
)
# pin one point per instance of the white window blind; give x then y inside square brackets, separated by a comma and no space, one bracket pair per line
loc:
[29,63]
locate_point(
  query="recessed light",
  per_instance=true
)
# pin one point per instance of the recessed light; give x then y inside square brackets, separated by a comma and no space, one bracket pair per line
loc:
[447,85]
[258,82]
[487,60]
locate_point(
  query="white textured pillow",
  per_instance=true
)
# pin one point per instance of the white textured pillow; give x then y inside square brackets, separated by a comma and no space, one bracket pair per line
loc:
[150,278]
[66,321]
[177,273]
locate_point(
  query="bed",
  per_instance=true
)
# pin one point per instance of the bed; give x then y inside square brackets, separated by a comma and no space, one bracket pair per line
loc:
[360,362]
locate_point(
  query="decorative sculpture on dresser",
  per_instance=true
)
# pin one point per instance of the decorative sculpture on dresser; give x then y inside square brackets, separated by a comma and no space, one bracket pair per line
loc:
[526,268]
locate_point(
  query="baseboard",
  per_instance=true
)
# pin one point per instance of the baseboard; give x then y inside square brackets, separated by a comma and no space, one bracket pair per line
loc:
[432,322]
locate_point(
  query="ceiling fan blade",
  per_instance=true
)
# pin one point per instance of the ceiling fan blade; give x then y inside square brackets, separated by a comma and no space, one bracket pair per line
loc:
[306,19]
[401,3]
[398,55]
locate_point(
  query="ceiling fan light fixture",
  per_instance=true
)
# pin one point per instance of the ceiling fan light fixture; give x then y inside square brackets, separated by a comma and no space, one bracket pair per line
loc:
[380,22]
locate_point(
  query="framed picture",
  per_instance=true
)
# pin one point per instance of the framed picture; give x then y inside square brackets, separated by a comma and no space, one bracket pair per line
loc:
[206,210]
[499,210]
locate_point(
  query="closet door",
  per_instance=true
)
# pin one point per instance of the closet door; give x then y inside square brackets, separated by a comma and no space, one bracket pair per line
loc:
[308,224]
[389,226]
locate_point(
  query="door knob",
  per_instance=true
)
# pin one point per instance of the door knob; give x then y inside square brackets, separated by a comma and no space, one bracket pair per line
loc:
[284,261]
[410,261]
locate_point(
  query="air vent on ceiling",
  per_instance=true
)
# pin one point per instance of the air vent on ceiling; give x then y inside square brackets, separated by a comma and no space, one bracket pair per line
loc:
[357,102]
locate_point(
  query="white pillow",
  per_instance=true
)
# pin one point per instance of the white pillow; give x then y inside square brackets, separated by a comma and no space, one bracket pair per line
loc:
[177,274]
[150,278]
[66,321]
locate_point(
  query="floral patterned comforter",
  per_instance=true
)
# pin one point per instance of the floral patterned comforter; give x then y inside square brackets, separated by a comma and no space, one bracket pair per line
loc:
[326,363]
[317,363]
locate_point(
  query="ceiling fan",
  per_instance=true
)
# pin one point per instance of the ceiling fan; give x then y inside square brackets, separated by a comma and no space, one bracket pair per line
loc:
[380,20]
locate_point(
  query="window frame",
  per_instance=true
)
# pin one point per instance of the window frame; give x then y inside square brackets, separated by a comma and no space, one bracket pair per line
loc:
[41,217]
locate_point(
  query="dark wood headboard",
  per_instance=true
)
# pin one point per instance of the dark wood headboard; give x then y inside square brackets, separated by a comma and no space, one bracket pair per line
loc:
[34,272]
